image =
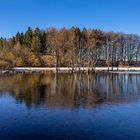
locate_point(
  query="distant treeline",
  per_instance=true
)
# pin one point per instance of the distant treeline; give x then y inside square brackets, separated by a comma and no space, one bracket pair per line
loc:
[69,48]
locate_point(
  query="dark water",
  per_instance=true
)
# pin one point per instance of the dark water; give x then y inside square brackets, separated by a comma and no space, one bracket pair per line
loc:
[102,107]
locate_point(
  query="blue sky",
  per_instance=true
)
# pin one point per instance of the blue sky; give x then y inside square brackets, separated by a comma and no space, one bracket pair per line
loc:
[108,15]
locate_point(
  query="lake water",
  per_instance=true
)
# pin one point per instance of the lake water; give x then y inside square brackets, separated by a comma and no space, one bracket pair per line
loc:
[70,106]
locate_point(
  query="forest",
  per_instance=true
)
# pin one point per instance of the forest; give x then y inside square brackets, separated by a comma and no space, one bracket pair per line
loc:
[71,47]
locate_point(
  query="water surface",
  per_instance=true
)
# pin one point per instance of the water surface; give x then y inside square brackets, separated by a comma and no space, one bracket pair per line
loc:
[70,106]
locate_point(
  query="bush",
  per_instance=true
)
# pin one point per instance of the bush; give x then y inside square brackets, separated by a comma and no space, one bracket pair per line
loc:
[48,60]
[33,60]
[4,64]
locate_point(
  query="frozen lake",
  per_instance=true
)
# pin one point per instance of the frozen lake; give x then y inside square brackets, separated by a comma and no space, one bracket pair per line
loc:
[70,106]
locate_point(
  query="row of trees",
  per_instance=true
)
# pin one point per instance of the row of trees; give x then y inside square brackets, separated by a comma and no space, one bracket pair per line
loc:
[69,47]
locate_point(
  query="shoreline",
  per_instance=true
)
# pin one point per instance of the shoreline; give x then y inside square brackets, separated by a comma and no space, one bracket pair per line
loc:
[117,70]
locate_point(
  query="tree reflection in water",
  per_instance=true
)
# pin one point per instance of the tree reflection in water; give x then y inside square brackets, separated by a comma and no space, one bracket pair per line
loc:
[70,90]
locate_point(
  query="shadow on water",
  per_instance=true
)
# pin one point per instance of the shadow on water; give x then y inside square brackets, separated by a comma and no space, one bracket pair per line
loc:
[71,91]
